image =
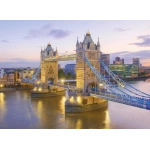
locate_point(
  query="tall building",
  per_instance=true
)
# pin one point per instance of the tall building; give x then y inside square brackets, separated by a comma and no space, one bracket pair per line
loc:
[70,68]
[106,59]
[59,66]
[49,69]
[136,61]
[87,49]
[1,73]
[3,80]
[17,77]
[11,78]
[118,61]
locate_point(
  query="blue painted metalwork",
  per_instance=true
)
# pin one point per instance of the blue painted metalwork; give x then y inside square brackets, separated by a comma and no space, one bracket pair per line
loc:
[119,96]
[36,73]
[122,92]
[33,77]
[123,84]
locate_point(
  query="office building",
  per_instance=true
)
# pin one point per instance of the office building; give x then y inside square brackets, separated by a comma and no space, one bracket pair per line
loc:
[10,78]
[106,59]
[136,61]
[70,68]
[118,61]
[125,70]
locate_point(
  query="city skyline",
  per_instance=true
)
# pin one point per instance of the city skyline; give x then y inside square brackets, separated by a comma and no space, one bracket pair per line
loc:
[21,41]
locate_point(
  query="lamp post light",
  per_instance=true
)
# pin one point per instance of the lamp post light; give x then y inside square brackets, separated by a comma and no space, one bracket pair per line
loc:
[100,84]
[62,81]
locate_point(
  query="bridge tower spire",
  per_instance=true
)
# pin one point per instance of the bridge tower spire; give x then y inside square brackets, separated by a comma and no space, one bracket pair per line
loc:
[77,44]
[49,69]
[98,45]
[84,76]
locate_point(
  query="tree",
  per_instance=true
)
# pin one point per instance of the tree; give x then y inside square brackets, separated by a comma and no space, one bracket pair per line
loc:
[68,76]
[142,74]
[74,76]
[61,73]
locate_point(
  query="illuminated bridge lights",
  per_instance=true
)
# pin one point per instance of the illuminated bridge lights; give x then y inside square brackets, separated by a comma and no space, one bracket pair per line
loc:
[121,93]
[124,98]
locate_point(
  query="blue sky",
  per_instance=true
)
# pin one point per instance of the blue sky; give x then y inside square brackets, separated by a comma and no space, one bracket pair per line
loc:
[21,41]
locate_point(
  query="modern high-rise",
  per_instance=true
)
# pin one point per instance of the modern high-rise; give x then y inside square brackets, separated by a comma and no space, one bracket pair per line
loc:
[118,61]
[136,61]
[70,68]
[106,59]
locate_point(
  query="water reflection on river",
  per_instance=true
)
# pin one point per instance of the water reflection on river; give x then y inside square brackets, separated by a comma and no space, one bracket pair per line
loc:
[18,110]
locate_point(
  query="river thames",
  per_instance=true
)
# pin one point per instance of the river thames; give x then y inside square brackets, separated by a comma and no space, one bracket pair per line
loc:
[19,111]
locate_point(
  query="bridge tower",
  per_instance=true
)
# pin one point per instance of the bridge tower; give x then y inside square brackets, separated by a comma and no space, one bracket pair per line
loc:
[49,69]
[85,78]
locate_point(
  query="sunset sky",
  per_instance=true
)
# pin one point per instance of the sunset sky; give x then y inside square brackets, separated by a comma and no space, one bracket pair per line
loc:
[21,41]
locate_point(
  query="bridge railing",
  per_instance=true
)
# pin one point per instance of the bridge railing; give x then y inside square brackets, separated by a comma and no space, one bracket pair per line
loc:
[123,84]
[122,96]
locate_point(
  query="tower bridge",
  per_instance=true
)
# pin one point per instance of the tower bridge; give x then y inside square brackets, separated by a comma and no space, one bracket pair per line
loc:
[88,62]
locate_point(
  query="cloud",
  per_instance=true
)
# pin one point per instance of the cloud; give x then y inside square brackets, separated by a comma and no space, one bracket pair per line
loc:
[144,55]
[120,29]
[5,41]
[35,33]
[41,32]
[46,27]
[47,31]
[58,33]
[145,41]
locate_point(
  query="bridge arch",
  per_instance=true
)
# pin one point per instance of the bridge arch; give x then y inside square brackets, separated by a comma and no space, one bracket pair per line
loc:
[27,77]
[50,80]
[92,86]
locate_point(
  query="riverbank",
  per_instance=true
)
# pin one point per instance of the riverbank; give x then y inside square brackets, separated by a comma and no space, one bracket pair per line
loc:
[15,89]
[47,93]
[136,78]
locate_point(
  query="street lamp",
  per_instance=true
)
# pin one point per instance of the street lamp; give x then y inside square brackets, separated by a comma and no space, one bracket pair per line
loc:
[62,81]
[79,99]
[100,84]
[40,89]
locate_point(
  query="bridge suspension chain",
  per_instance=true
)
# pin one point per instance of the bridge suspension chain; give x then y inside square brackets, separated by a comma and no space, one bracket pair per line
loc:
[120,97]
[123,84]
[108,84]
